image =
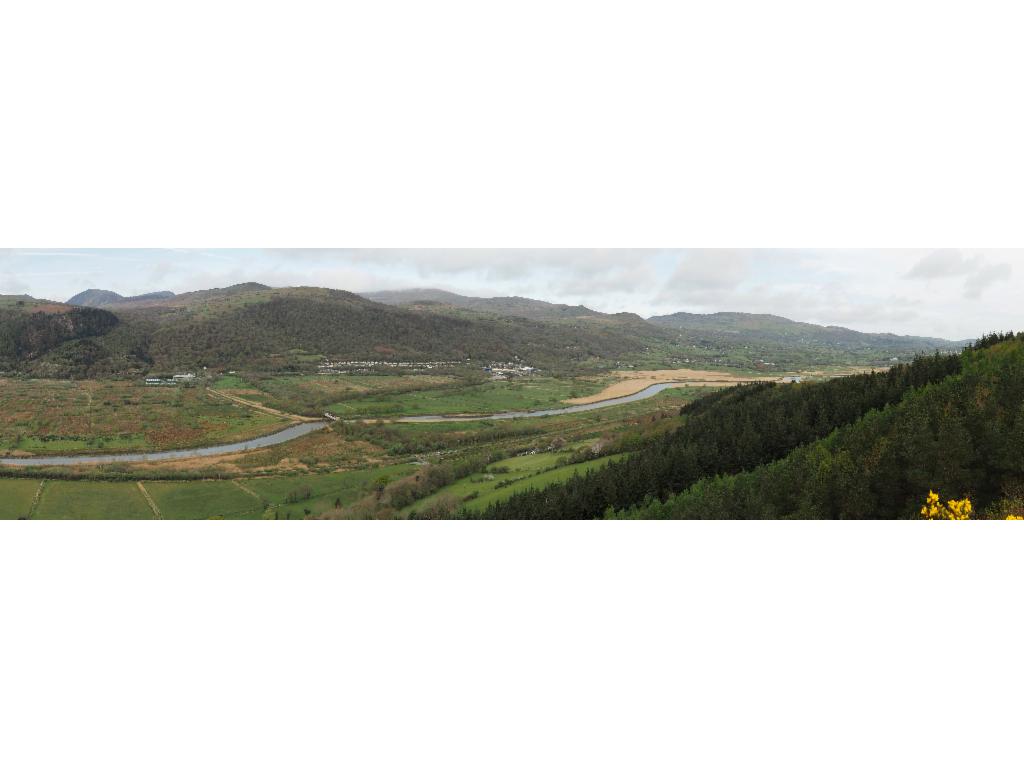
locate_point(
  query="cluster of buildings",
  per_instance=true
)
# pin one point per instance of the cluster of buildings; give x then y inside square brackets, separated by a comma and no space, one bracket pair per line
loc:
[178,378]
[506,371]
[497,371]
[366,366]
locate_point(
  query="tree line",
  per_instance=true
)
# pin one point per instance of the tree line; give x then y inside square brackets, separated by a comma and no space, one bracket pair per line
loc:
[726,433]
[961,438]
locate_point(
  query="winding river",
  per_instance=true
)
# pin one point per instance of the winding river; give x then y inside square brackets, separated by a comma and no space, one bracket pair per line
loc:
[305,428]
[285,435]
[643,394]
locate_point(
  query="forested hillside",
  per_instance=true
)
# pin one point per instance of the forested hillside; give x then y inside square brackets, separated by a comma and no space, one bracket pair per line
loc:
[776,334]
[864,446]
[274,328]
[515,306]
[724,338]
[255,327]
[31,330]
[961,438]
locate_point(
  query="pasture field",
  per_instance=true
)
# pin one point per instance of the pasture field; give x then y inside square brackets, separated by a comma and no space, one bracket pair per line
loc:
[484,398]
[312,395]
[16,497]
[504,478]
[68,417]
[203,499]
[357,396]
[287,496]
[400,438]
[302,480]
[88,500]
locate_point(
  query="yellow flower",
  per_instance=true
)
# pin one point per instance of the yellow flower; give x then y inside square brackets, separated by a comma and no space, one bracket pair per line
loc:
[954,509]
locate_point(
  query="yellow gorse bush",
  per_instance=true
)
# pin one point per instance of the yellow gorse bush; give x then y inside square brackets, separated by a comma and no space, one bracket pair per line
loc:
[936,509]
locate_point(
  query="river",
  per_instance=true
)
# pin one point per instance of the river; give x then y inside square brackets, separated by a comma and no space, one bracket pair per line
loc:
[644,394]
[285,435]
[299,430]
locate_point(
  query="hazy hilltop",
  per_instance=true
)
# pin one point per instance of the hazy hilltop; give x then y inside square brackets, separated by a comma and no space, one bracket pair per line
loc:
[99,298]
[780,330]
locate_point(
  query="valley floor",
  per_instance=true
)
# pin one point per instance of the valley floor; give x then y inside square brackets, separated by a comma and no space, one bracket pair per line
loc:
[365,466]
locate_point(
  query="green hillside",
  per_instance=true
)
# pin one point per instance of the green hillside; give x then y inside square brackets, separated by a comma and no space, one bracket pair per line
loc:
[254,327]
[30,329]
[772,330]
[514,306]
[962,437]
[725,338]
[287,329]
[869,446]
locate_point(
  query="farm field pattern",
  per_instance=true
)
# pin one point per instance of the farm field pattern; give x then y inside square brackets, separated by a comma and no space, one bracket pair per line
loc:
[348,471]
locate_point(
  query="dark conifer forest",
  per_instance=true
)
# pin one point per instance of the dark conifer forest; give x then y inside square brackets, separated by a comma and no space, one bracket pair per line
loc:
[866,446]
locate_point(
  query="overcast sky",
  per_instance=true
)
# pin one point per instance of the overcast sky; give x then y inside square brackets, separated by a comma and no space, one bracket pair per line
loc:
[950,293]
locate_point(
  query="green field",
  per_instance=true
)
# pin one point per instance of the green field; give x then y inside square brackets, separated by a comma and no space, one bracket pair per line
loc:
[476,492]
[86,500]
[325,491]
[326,474]
[372,395]
[485,398]
[251,499]
[16,498]
[68,417]
[312,395]
[201,500]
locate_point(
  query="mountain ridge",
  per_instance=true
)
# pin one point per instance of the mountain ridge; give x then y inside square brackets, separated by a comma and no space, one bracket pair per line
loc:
[515,306]
[768,327]
[98,298]
[254,326]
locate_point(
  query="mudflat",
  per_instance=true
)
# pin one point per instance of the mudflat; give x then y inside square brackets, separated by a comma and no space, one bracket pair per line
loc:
[631,382]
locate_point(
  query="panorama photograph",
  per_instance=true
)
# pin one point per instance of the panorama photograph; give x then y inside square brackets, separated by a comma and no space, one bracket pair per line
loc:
[249,384]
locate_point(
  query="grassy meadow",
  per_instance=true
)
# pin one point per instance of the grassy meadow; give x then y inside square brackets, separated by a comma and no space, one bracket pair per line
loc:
[16,497]
[484,398]
[354,396]
[200,500]
[49,417]
[86,500]
[504,478]
[332,473]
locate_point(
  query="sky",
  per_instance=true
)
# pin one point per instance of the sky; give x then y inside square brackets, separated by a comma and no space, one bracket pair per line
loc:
[952,293]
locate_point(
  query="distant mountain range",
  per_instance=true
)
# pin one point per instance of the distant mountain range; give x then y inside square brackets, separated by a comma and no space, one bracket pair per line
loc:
[256,327]
[779,330]
[721,326]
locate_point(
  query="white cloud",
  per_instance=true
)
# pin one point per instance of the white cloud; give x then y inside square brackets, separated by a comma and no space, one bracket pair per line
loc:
[978,273]
[922,292]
